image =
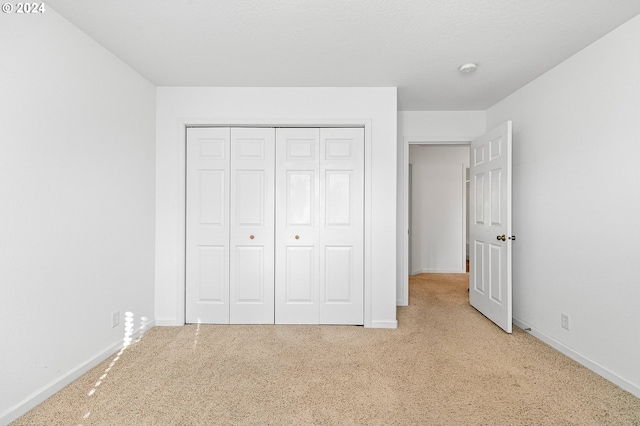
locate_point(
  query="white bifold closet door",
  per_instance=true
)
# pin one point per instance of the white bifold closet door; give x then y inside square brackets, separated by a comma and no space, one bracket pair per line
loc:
[319,226]
[207,225]
[252,226]
[230,225]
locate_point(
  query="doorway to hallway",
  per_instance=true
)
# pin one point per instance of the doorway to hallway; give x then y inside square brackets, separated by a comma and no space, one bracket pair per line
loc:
[438,209]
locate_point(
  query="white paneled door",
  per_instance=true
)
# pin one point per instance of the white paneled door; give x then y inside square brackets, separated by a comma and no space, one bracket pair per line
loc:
[319,226]
[297,226]
[252,226]
[341,226]
[490,226]
[230,225]
[275,226]
[207,225]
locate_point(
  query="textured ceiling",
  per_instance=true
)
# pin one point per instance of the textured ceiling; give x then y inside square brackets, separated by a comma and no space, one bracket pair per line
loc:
[416,45]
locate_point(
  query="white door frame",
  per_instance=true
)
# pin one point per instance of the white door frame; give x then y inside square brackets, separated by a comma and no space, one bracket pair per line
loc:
[410,216]
[402,298]
[465,214]
[271,122]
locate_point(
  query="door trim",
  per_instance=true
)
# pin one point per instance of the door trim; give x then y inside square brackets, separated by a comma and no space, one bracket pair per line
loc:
[182,126]
[465,214]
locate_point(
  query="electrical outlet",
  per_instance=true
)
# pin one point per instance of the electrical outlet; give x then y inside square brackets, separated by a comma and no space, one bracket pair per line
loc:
[564,321]
[115,319]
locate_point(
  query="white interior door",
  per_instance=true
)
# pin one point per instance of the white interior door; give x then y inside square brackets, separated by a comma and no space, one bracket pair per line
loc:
[319,226]
[341,229]
[297,226]
[310,188]
[207,225]
[252,226]
[490,226]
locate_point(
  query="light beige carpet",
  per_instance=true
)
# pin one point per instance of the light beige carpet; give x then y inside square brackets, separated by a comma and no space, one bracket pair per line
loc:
[445,364]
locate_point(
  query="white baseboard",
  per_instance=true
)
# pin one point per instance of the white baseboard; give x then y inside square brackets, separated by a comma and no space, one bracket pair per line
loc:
[48,390]
[168,322]
[384,324]
[580,359]
[439,271]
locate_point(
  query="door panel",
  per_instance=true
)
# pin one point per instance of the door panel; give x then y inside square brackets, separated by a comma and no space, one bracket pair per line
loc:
[252,225]
[300,144]
[249,197]
[477,272]
[338,197]
[212,272]
[341,245]
[300,192]
[478,190]
[297,196]
[207,225]
[490,229]
[211,189]
[249,275]
[495,189]
[338,266]
[495,265]
[301,285]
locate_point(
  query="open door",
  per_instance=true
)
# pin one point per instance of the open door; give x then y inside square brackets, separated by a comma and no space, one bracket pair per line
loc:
[490,226]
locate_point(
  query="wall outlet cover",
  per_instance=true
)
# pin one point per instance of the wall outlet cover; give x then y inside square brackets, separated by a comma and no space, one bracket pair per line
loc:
[564,321]
[115,319]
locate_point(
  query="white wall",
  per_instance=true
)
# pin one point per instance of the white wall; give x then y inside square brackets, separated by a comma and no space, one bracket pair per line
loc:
[377,107]
[576,204]
[438,204]
[424,126]
[77,211]
[440,126]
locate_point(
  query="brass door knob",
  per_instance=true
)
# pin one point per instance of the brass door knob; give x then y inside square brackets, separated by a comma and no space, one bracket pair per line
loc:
[252,237]
[297,237]
[502,237]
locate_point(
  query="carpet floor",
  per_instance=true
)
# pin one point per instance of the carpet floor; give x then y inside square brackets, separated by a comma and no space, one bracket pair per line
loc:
[445,365]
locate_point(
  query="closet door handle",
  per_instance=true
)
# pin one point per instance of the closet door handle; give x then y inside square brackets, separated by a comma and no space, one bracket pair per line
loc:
[297,237]
[251,237]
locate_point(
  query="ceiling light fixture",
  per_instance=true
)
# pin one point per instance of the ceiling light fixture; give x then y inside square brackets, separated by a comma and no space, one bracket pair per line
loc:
[467,68]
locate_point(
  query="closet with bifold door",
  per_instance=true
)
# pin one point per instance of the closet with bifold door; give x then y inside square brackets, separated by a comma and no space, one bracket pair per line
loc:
[274,225]
[230,225]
